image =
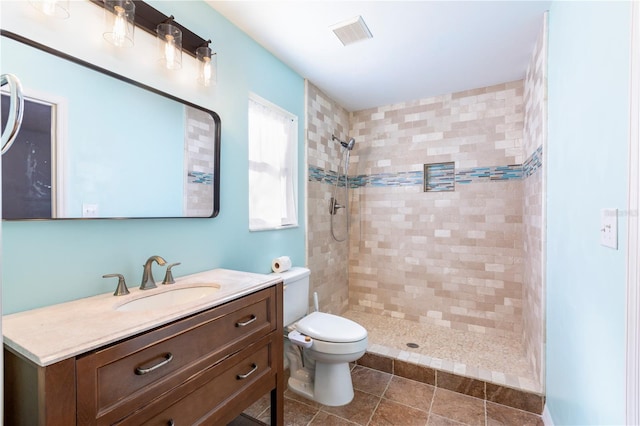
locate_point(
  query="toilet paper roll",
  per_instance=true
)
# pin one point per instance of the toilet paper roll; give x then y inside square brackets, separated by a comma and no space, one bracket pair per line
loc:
[281,264]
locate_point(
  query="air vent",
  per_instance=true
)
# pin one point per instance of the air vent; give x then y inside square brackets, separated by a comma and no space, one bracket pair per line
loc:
[351,31]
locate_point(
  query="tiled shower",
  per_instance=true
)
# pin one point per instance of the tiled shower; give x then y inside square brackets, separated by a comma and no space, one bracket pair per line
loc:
[464,255]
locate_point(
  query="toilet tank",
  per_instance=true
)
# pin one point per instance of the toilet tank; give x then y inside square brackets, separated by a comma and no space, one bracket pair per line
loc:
[296,294]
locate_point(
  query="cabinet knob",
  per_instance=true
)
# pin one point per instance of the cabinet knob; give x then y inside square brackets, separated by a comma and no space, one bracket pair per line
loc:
[171,422]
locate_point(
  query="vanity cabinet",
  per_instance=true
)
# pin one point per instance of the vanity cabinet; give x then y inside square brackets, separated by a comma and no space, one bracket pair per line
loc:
[203,369]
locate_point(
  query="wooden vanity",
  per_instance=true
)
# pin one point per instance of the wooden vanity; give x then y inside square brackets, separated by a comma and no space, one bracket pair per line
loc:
[203,368]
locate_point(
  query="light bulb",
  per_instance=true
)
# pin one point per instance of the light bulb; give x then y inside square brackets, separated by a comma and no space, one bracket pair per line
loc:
[169,46]
[170,50]
[206,64]
[206,71]
[119,26]
[119,17]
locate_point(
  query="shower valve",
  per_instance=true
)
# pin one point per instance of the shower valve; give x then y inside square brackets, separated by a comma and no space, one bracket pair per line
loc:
[334,206]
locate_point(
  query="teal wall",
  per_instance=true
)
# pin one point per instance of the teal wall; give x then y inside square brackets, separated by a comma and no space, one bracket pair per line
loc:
[588,95]
[48,262]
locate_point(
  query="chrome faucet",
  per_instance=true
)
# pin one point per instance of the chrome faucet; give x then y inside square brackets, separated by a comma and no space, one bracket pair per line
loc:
[147,276]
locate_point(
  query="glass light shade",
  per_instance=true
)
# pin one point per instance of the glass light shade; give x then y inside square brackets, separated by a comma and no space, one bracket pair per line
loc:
[119,25]
[206,66]
[170,46]
[55,8]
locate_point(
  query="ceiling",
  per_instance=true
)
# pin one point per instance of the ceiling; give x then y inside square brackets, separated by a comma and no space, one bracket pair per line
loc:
[419,48]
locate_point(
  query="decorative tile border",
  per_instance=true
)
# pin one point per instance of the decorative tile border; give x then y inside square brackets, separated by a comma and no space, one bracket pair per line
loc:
[485,174]
[533,163]
[201,177]
[463,176]
[388,179]
[318,174]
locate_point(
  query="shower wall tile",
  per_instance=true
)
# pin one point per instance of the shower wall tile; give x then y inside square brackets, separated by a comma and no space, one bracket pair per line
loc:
[449,258]
[198,163]
[535,133]
[326,258]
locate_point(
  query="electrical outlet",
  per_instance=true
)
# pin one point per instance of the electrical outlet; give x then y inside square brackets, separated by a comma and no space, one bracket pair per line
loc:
[609,228]
[89,210]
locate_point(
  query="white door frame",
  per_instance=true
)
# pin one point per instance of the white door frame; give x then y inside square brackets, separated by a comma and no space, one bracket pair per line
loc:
[633,238]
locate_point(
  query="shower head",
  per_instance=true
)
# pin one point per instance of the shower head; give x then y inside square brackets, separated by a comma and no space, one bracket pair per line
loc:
[348,145]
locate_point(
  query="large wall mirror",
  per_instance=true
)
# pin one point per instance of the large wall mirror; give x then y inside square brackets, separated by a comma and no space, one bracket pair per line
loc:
[94,144]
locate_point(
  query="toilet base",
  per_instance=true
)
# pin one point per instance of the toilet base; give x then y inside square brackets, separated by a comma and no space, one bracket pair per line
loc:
[333,386]
[301,387]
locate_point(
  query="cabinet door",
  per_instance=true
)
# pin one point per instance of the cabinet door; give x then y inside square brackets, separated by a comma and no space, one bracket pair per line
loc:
[118,380]
[35,395]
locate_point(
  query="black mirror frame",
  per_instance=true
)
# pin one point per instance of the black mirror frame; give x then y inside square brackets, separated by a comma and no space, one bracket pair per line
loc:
[214,115]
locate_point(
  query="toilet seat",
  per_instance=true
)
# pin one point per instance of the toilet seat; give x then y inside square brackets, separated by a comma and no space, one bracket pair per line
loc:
[331,328]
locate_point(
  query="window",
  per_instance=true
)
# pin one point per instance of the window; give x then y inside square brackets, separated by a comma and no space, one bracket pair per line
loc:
[273,166]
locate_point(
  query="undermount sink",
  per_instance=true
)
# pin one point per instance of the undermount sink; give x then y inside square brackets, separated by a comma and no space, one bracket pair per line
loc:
[169,298]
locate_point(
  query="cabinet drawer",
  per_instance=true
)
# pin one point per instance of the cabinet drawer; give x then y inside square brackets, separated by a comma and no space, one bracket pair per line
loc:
[122,378]
[198,400]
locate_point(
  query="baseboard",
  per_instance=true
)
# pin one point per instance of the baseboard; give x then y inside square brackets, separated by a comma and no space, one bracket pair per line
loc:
[546,416]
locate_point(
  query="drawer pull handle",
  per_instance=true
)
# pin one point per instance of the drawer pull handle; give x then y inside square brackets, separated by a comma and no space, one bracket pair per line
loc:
[167,359]
[247,322]
[244,376]
[171,423]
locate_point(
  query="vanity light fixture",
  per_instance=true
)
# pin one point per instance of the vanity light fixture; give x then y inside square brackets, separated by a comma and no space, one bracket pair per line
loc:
[172,38]
[206,64]
[170,44]
[55,8]
[119,21]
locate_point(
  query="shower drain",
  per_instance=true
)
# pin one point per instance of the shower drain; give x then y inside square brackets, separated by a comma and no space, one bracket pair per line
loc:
[413,345]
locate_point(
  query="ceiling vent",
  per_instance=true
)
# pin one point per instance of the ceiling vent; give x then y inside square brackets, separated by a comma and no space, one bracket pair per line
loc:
[351,31]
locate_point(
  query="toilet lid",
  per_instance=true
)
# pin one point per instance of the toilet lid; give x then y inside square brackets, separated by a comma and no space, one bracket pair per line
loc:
[331,328]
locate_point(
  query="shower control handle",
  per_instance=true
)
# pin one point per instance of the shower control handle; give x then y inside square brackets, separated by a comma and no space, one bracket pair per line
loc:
[334,206]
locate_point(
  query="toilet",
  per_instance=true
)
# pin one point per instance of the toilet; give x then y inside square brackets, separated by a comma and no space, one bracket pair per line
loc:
[319,346]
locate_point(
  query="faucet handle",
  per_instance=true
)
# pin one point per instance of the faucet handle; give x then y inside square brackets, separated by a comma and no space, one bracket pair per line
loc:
[168,277]
[122,289]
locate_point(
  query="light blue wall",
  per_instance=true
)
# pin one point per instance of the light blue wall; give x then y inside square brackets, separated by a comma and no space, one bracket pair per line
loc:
[54,261]
[588,94]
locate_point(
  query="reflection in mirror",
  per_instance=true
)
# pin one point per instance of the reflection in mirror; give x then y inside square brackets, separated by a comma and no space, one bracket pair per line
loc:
[97,145]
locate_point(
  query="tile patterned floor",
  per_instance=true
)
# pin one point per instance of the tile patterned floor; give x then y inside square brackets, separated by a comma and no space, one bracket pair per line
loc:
[385,399]
[489,358]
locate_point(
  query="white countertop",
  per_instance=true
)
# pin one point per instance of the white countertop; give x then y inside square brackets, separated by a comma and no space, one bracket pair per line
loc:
[53,333]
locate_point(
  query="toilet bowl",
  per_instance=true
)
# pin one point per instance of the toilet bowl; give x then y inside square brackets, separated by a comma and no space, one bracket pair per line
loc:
[320,346]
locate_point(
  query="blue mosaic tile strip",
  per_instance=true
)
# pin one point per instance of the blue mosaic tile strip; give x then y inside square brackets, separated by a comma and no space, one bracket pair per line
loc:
[440,177]
[486,174]
[533,163]
[318,174]
[392,179]
[201,177]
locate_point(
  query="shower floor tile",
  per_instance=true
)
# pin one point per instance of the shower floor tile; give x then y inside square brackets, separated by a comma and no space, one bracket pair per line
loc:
[479,356]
